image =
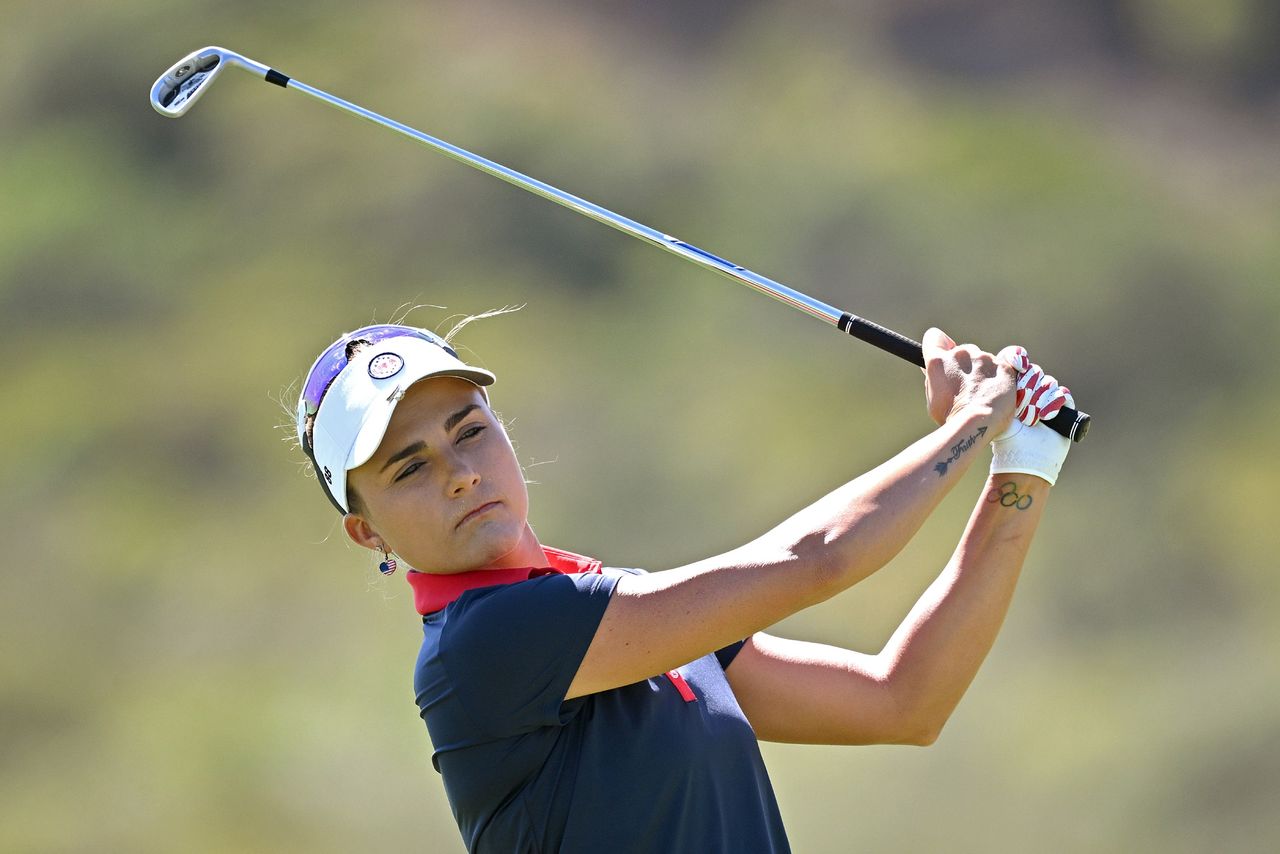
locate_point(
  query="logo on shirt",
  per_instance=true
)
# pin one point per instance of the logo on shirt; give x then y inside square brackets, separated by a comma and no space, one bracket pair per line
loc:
[385,365]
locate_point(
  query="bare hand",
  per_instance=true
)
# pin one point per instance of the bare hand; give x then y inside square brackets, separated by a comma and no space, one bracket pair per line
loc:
[965,378]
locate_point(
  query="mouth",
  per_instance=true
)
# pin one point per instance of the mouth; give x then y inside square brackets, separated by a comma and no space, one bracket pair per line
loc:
[477,513]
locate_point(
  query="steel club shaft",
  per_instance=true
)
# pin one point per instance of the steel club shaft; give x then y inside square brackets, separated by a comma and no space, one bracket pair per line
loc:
[178,88]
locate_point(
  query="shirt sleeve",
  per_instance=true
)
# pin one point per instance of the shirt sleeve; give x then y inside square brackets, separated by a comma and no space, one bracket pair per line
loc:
[512,651]
[726,655]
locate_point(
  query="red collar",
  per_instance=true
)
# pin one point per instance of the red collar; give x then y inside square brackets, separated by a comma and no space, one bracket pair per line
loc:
[431,592]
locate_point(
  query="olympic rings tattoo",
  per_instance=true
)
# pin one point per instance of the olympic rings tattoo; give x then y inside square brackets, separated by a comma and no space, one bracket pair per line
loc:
[1006,495]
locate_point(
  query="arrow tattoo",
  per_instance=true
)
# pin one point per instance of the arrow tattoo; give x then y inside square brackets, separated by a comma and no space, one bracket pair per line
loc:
[958,450]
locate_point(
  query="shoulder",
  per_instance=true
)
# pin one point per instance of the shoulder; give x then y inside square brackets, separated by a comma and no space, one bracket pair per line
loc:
[622,571]
[527,616]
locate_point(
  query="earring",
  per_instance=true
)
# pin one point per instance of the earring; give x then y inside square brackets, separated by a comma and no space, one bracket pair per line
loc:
[388,565]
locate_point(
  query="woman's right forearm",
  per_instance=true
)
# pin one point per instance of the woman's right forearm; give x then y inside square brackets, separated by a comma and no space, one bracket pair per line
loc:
[659,621]
[855,530]
[663,620]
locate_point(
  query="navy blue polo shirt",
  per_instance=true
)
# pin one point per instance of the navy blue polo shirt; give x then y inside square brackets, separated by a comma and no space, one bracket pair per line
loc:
[668,764]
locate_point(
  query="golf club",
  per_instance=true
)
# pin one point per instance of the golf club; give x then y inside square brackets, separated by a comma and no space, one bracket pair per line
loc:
[182,85]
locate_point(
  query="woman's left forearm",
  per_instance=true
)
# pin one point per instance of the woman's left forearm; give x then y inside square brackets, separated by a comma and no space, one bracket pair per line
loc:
[936,651]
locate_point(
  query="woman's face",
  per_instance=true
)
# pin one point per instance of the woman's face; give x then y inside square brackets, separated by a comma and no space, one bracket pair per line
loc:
[444,490]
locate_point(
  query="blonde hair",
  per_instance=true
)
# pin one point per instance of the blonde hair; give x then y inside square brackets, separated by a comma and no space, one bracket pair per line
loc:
[471,318]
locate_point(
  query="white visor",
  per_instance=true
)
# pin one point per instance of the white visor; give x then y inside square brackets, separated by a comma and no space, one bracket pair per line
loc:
[357,408]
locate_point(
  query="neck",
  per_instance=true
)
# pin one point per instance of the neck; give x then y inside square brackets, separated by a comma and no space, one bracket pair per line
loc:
[528,552]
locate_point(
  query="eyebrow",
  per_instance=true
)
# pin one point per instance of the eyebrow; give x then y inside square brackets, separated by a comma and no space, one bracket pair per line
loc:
[452,420]
[414,447]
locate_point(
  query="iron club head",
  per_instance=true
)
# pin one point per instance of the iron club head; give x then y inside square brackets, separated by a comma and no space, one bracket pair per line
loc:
[178,88]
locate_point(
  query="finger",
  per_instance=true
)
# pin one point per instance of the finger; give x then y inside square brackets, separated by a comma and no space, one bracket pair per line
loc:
[938,339]
[1042,399]
[989,363]
[1041,394]
[966,354]
[935,342]
[1031,377]
[1053,407]
[1027,384]
[1015,357]
[1054,403]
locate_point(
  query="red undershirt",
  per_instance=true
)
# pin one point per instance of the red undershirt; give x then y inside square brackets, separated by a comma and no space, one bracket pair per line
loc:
[432,591]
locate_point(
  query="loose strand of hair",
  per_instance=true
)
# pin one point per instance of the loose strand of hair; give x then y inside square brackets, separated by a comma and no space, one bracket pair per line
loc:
[471,318]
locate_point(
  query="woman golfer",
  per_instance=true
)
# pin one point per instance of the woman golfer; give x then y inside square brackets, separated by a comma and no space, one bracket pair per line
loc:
[584,709]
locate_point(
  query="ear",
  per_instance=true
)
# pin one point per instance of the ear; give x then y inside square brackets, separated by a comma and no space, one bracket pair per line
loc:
[361,532]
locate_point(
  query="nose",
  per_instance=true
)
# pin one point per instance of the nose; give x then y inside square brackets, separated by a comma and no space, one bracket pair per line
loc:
[462,477]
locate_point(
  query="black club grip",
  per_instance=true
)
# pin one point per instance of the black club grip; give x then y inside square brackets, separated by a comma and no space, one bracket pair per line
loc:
[1069,422]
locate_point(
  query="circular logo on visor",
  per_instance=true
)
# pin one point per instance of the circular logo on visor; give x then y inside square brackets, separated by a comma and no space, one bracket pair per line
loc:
[385,365]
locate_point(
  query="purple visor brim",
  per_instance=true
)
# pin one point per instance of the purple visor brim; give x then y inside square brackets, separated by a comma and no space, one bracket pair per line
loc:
[334,359]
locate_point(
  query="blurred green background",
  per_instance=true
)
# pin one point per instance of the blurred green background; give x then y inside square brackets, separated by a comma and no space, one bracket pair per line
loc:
[196,660]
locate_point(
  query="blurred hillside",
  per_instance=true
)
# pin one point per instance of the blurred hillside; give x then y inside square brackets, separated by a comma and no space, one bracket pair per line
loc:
[194,658]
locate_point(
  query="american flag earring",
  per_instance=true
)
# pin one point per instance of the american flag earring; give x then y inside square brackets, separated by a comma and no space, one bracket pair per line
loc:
[388,565]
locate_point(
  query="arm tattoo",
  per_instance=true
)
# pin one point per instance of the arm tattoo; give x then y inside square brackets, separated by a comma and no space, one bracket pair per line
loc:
[958,449]
[1006,495]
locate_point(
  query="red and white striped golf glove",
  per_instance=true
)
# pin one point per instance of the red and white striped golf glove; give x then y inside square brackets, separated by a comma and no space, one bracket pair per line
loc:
[1039,395]
[1029,447]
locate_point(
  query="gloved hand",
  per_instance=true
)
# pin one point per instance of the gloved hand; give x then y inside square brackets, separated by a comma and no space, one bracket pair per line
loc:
[1029,447]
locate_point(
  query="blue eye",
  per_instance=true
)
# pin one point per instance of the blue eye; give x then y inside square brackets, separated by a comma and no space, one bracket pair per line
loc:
[471,431]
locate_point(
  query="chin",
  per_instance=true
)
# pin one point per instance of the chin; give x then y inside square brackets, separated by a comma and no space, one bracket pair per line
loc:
[499,545]
[486,549]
